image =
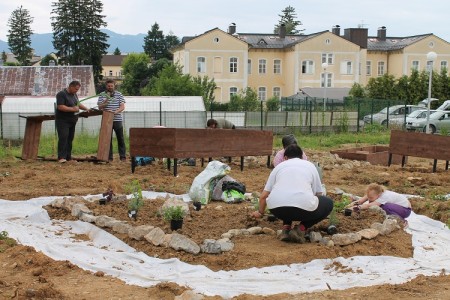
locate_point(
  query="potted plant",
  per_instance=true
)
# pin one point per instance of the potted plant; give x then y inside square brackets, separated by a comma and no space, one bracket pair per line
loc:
[136,201]
[175,215]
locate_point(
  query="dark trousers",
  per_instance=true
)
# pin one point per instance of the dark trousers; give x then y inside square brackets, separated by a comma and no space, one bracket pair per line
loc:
[118,129]
[307,218]
[66,133]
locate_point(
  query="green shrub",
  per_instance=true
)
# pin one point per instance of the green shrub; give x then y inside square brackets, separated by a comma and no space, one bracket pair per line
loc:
[173,213]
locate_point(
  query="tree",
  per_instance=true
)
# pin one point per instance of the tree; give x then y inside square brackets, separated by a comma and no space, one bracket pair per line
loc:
[45,61]
[135,70]
[158,46]
[76,33]
[246,100]
[117,51]
[273,104]
[357,91]
[4,56]
[288,18]
[19,35]
[208,87]
[154,44]
[171,82]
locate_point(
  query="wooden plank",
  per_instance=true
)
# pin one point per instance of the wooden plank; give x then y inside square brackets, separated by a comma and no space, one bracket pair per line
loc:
[420,144]
[31,139]
[198,143]
[104,137]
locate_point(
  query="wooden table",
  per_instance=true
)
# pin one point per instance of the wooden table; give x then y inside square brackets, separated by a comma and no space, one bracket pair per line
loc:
[33,133]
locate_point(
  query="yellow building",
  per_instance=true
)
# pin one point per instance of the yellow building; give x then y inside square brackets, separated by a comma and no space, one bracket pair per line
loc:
[112,67]
[280,65]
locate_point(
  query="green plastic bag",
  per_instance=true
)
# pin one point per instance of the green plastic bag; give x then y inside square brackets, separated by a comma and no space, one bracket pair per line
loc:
[232,196]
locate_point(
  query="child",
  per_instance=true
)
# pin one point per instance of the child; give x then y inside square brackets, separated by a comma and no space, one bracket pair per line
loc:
[391,202]
[286,141]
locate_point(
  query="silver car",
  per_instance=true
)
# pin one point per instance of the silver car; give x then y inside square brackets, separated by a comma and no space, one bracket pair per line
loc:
[390,113]
[413,117]
[439,120]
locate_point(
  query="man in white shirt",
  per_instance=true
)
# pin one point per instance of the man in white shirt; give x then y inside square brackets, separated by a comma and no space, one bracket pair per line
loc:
[293,192]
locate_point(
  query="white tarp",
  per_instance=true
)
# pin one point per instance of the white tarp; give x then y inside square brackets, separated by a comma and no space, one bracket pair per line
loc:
[29,224]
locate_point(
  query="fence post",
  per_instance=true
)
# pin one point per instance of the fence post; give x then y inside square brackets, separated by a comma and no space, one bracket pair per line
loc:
[2,97]
[160,113]
[261,115]
[359,111]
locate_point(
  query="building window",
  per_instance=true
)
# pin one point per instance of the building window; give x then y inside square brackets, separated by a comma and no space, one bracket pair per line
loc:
[346,67]
[380,68]
[110,73]
[201,64]
[326,79]
[277,92]
[307,67]
[233,65]
[249,66]
[261,93]
[444,65]
[415,65]
[262,66]
[233,91]
[368,68]
[327,58]
[277,66]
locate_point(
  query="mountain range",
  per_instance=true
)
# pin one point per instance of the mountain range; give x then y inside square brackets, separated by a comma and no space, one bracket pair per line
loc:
[127,43]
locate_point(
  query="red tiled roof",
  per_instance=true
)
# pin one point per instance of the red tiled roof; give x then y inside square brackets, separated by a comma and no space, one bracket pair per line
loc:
[45,80]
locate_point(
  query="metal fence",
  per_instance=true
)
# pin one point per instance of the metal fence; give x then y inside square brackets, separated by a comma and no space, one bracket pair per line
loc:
[306,116]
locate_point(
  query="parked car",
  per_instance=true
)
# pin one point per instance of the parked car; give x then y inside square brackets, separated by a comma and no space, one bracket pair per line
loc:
[445,105]
[439,120]
[412,117]
[388,114]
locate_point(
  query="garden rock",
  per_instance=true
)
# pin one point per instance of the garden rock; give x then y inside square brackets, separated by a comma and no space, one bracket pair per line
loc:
[166,240]
[326,241]
[234,232]
[368,233]
[87,218]
[122,227]
[245,232]
[210,246]
[255,230]
[227,235]
[389,225]
[346,239]
[269,231]
[58,202]
[225,244]
[377,226]
[139,232]
[180,242]
[315,236]
[105,221]
[78,209]
[155,236]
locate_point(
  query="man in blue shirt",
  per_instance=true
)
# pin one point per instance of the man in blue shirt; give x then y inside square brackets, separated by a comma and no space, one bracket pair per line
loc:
[116,104]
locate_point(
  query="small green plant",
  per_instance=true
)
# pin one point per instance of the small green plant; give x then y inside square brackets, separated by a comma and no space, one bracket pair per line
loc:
[173,213]
[332,218]
[6,241]
[340,205]
[136,201]
[255,203]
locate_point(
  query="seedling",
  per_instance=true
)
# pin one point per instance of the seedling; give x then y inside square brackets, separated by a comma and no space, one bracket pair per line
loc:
[173,213]
[136,201]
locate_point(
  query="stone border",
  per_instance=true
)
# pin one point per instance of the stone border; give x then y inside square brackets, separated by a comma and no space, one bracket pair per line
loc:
[157,237]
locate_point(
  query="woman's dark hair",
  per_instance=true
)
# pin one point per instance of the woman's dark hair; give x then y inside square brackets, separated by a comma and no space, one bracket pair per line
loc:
[288,140]
[293,151]
[211,122]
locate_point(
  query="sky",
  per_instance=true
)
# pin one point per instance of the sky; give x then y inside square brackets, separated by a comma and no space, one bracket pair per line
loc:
[194,17]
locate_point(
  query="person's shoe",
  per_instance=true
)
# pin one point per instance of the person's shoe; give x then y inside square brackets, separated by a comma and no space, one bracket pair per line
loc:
[284,236]
[123,159]
[297,235]
[72,161]
[62,160]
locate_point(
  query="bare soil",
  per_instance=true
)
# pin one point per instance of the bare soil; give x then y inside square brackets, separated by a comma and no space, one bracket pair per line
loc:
[28,274]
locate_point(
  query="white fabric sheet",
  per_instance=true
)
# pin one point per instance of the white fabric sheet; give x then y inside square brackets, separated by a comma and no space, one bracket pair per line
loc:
[29,224]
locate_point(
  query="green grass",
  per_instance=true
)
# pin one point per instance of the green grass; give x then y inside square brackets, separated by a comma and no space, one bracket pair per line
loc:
[334,140]
[87,144]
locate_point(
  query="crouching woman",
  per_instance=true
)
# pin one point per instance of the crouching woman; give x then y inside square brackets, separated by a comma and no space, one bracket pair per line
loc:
[293,192]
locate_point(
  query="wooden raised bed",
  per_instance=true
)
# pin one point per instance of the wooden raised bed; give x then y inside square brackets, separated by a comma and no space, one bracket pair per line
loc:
[376,155]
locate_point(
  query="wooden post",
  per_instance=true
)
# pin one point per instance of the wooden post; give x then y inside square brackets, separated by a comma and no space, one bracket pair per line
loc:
[104,137]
